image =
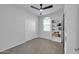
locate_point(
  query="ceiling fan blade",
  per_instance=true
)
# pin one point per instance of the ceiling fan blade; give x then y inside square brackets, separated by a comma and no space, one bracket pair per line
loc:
[48,7]
[35,8]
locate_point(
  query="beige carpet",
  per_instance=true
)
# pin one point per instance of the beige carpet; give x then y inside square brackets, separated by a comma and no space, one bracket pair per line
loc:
[37,46]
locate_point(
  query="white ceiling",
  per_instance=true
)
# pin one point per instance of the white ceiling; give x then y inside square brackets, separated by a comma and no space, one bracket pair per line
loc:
[55,8]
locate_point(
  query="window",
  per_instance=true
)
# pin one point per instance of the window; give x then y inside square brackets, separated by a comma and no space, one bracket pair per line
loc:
[46,24]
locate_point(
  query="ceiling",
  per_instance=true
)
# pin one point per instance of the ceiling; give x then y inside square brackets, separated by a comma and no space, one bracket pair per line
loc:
[56,7]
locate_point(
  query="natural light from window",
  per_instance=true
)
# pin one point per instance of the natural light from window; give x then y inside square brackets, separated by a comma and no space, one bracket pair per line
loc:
[46,24]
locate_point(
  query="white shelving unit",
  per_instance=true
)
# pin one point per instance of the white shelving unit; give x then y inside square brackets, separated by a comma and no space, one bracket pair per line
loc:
[55,29]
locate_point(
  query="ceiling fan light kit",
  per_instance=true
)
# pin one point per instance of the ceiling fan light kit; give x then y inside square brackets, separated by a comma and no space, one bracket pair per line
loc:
[41,10]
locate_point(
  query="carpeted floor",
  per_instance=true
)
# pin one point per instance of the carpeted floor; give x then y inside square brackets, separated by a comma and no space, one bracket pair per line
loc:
[37,46]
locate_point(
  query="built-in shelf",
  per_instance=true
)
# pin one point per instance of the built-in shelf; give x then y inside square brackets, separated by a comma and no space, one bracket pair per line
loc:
[56,28]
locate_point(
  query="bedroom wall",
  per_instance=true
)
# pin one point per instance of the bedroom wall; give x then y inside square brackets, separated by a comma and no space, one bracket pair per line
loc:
[70,28]
[31,27]
[16,26]
[77,29]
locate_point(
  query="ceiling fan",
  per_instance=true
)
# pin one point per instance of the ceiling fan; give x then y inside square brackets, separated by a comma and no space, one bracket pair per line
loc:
[41,8]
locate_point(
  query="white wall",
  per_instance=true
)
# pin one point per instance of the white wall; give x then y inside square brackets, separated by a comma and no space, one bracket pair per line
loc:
[70,28]
[16,26]
[58,15]
[31,27]
[78,29]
